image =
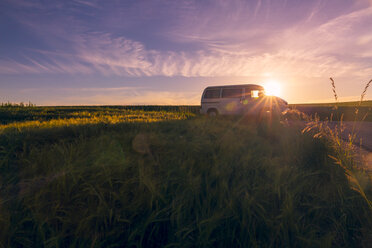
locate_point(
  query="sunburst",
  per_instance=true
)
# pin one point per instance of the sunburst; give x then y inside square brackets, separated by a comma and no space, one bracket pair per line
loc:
[272,88]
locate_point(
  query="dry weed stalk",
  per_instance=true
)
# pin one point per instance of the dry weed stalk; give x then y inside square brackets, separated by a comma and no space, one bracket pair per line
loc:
[364,92]
[334,89]
[345,151]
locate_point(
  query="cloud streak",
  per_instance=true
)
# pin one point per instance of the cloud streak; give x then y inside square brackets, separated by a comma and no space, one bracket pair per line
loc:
[237,38]
[100,53]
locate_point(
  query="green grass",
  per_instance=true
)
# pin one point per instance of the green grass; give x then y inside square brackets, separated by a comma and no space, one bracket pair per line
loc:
[366,103]
[19,113]
[180,181]
[347,111]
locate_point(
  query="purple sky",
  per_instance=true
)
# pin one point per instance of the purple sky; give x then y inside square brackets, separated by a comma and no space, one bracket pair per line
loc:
[166,51]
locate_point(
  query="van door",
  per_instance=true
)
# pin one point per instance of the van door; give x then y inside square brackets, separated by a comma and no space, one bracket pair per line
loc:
[210,100]
[253,101]
[231,101]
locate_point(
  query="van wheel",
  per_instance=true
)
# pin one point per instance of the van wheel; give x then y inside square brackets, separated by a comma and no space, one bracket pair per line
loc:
[212,112]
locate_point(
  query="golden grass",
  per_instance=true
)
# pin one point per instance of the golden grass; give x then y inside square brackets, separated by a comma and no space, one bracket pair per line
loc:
[87,118]
[344,149]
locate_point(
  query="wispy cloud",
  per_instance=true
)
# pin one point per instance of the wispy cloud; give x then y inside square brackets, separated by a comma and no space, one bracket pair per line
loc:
[243,43]
[92,4]
[123,57]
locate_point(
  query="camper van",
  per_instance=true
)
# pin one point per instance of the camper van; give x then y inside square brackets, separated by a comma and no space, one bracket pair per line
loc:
[244,99]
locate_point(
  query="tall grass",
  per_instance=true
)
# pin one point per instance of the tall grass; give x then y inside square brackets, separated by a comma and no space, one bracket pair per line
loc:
[182,183]
[362,96]
[349,111]
[345,154]
[15,113]
[334,89]
[92,118]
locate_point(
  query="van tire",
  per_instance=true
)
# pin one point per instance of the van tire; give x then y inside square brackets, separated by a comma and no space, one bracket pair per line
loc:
[212,112]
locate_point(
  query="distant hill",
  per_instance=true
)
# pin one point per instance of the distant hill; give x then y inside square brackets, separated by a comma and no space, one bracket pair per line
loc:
[345,110]
[367,103]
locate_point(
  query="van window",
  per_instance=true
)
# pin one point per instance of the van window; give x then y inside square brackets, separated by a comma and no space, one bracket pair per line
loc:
[215,93]
[231,93]
[247,93]
[255,93]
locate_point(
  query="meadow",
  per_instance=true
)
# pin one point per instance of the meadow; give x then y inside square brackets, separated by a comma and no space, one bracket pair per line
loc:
[151,176]
[347,111]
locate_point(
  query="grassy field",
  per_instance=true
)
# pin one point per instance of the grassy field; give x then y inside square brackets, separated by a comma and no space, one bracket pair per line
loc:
[15,113]
[348,111]
[366,103]
[156,177]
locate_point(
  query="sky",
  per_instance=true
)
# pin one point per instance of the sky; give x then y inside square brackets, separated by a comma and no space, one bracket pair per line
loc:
[80,52]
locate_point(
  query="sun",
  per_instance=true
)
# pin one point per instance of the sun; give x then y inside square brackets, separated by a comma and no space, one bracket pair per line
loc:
[272,88]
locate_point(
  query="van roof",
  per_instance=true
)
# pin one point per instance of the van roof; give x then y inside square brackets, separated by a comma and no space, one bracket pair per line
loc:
[253,86]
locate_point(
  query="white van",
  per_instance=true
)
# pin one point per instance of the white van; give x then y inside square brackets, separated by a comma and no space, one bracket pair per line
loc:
[244,99]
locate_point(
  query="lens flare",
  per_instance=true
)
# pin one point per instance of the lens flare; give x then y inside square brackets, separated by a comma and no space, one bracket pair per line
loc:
[272,88]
